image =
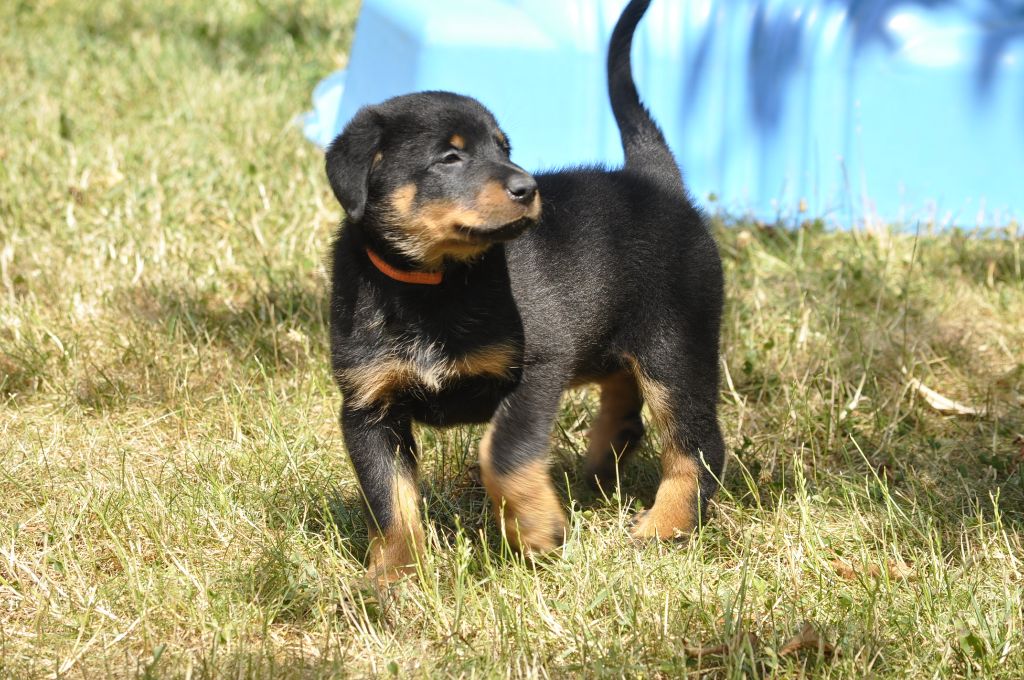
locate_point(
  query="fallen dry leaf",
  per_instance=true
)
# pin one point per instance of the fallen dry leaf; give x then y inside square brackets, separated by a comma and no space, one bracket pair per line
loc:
[900,570]
[706,650]
[939,402]
[844,570]
[722,648]
[807,638]
[895,570]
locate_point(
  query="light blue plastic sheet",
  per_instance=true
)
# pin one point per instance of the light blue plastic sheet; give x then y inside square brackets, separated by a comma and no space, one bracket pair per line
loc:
[909,112]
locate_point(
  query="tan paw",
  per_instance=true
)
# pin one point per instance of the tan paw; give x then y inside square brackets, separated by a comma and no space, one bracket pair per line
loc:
[386,575]
[651,524]
[535,533]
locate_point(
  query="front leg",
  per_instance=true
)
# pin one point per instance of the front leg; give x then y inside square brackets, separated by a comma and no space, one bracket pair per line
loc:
[383,453]
[514,465]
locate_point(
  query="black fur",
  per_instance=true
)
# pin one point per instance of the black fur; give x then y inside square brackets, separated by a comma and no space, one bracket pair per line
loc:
[620,272]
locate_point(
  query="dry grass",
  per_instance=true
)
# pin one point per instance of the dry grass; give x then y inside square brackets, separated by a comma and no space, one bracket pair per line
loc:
[176,499]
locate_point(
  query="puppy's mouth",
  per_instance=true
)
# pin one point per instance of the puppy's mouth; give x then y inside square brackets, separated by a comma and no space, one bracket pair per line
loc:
[494,228]
[496,234]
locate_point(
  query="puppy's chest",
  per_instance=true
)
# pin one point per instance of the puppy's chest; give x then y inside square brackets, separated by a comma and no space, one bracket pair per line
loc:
[399,367]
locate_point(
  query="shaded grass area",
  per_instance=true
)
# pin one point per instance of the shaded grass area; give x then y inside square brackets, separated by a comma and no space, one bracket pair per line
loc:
[176,498]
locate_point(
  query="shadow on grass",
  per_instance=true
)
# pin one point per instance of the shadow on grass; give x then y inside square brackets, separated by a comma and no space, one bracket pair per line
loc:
[949,476]
[871,307]
[458,510]
[457,506]
[269,325]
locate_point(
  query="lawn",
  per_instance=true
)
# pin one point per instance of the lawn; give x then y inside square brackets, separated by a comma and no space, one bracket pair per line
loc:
[176,499]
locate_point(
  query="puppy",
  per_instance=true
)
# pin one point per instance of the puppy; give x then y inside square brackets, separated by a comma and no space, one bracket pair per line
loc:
[457,299]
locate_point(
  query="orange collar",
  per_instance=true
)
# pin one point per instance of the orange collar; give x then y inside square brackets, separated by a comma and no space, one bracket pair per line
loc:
[425,278]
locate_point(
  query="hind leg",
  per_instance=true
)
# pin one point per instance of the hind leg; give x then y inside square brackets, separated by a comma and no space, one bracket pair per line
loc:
[682,393]
[616,431]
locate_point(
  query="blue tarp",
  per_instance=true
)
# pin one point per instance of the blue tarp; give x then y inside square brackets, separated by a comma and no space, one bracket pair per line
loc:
[906,111]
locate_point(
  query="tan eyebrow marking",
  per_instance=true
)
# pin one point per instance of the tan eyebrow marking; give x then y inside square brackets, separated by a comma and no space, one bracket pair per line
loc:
[458,142]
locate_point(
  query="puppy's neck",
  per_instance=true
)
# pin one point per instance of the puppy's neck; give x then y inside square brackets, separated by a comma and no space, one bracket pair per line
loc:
[385,259]
[421,278]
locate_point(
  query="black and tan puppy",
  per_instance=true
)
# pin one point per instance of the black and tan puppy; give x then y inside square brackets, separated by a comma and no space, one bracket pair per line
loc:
[457,299]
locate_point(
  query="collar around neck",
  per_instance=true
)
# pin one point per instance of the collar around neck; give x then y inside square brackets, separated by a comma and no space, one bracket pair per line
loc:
[404,276]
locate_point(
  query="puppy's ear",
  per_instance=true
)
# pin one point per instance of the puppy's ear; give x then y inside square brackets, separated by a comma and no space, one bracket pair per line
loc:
[350,158]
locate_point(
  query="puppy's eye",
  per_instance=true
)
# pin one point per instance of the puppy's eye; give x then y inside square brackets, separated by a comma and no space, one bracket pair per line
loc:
[503,145]
[451,158]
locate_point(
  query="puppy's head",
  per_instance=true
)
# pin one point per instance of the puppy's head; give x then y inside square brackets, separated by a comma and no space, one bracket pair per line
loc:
[430,173]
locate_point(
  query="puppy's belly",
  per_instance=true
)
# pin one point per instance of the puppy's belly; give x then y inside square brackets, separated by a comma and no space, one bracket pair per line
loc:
[472,400]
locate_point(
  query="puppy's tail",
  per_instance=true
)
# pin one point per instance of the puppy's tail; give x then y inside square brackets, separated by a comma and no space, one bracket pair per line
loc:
[646,150]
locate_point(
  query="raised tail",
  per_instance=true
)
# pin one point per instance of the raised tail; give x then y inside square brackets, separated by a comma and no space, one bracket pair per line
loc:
[646,150]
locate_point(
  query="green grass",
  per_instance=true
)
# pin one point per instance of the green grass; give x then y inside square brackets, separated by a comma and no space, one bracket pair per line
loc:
[177,500]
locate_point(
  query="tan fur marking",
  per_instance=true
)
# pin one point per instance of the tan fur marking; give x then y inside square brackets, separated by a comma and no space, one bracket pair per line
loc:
[496,360]
[458,142]
[497,207]
[373,384]
[620,398]
[393,553]
[402,198]
[428,233]
[674,510]
[533,210]
[442,217]
[434,230]
[493,198]
[376,383]
[501,138]
[525,503]
[377,158]
[657,396]
[675,504]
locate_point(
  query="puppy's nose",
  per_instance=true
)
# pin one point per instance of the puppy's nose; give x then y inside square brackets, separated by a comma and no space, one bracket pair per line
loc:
[521,188]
